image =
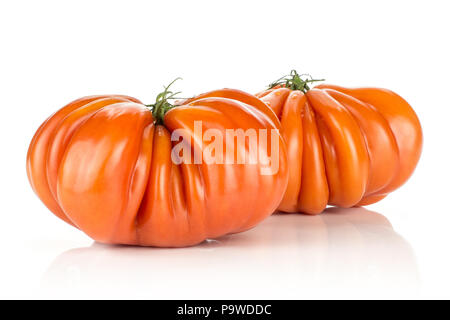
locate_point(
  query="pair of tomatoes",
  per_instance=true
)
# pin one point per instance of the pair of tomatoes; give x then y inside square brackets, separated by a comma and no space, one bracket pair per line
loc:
[107,164]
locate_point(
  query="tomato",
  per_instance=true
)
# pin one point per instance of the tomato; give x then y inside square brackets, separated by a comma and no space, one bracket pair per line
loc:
[105,165]
[346,147]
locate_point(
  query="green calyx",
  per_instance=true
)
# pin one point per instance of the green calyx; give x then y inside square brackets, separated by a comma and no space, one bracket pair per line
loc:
[162,104]
[295,81]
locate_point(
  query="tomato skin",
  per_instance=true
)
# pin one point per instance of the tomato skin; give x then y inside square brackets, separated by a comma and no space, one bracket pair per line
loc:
[38,154]
[351,147]
[103,165]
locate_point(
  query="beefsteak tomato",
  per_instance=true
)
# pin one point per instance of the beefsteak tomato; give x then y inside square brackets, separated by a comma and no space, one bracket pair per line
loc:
[105,164]
[346,147]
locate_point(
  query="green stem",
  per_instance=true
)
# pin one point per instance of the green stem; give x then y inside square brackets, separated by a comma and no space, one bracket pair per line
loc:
[295,81]
[162,105]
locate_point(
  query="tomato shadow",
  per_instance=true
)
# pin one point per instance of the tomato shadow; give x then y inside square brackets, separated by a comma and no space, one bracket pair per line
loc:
[351,253]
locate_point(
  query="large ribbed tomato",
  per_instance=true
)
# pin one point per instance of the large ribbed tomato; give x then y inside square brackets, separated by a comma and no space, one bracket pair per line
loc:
[346,147]
[104,165]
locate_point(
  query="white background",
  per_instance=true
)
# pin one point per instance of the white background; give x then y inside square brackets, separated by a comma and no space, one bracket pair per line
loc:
[52,52]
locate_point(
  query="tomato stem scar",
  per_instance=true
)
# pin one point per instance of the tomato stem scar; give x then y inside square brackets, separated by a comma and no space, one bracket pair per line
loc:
[295,81]
[162,104]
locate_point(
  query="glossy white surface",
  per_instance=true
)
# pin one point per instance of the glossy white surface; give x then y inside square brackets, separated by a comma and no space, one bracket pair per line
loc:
[287,256]
[53,52]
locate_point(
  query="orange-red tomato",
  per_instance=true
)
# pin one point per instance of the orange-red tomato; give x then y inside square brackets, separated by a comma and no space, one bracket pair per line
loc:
[103,164]
[346,147]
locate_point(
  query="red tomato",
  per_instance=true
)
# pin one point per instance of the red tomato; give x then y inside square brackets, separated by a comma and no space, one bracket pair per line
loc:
[104,165]
[346,147]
